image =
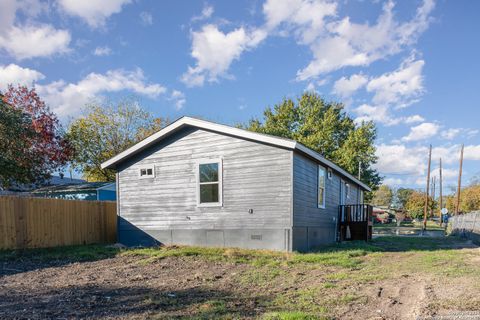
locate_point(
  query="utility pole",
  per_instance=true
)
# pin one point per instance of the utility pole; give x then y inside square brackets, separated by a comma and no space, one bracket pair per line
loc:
[425,210]
[441,191]
[433,193]
[359,170]
[457,205]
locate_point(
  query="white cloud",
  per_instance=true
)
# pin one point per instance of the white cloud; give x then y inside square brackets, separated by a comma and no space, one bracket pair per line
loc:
[452,133]
[400,87]
[335,43]
[351,44]
[207,12]
[305,18]
[14,74]
[8,9]
[345,87]
[102,51]
[413,119]
[375,113]
[94,13]
[214,52]
[392,182]
[382,114]
[35,41]
[66,99]
[422,131]
[146,18]
[398,159]
[472,152]
[29,40]
[178,98]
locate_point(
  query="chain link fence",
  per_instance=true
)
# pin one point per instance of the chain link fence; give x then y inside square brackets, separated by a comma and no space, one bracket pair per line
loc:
[466,225]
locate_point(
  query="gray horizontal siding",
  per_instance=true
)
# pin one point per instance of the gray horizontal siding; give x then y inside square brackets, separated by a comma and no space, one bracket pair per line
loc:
[305,184]
[255,176]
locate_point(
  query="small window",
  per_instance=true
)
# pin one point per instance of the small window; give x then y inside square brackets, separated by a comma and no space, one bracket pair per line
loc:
[210,183]
[321,187]
[347,190]
[361,197]
[147,172]
[329,174]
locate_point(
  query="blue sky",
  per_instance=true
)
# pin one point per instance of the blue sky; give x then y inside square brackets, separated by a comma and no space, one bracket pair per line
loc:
[411,66]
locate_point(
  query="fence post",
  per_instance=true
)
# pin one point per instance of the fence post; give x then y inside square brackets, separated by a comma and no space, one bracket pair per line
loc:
[474,221]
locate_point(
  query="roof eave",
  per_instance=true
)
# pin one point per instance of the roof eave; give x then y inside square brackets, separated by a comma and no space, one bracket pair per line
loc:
[300,147]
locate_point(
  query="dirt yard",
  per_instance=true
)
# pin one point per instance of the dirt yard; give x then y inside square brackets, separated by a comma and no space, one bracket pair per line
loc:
[391,278]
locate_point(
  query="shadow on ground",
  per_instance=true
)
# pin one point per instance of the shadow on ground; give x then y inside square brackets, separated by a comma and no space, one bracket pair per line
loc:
[17,261]
[114,302]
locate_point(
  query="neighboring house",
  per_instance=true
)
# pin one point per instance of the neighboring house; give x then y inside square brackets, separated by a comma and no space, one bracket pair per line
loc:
[200,183]
[101,191]
[25,189]
[381,214]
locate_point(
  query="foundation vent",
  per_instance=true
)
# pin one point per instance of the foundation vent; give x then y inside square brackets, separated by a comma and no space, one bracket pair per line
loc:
[256,237]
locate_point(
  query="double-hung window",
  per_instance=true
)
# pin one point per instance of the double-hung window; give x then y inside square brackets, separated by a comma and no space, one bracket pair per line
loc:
[209,185]
[321,187]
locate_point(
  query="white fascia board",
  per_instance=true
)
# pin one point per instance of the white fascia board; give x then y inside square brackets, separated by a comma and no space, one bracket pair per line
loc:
[320,158]
[143,144]
[202,124]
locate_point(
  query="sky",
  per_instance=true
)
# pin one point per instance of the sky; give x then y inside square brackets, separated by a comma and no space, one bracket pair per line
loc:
[411,66]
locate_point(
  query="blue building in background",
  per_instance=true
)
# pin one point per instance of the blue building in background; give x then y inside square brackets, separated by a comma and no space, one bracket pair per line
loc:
[100,191]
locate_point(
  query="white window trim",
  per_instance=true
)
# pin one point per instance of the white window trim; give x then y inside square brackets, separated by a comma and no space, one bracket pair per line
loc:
[347,190]
[322,206]
[220,182]
[146,167]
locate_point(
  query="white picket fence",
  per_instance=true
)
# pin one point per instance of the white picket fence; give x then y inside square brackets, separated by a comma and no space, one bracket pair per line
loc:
[466,225]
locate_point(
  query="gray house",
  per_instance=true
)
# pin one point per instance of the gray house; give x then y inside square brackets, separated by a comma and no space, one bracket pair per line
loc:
[201,183]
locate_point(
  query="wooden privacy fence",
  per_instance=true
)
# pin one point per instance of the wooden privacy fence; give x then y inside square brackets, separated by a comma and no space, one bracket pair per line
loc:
[466,225]
[40,222]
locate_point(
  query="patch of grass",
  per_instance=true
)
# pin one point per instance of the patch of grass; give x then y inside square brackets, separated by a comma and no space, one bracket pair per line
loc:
[337,276]
[345,257]
[305,300]
[214,307]
[291,315]
[329,285]
[69,253]
[261,276]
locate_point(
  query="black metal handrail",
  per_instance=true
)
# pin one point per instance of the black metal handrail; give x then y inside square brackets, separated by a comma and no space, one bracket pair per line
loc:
[354,213]
[356,218]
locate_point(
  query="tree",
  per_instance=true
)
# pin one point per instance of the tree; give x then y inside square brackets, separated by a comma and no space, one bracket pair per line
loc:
[326,128]
[402,195]
[106,130]
[15,132]
[32,140]
[470,199]
[383,196]
[415,204]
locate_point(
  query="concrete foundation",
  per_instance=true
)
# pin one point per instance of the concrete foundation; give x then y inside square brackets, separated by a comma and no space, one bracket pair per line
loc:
[271,239]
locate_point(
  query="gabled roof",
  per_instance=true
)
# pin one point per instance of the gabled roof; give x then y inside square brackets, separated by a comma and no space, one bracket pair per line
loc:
[236,132]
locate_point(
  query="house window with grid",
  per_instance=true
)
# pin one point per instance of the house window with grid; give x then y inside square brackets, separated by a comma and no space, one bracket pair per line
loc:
[210,183]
